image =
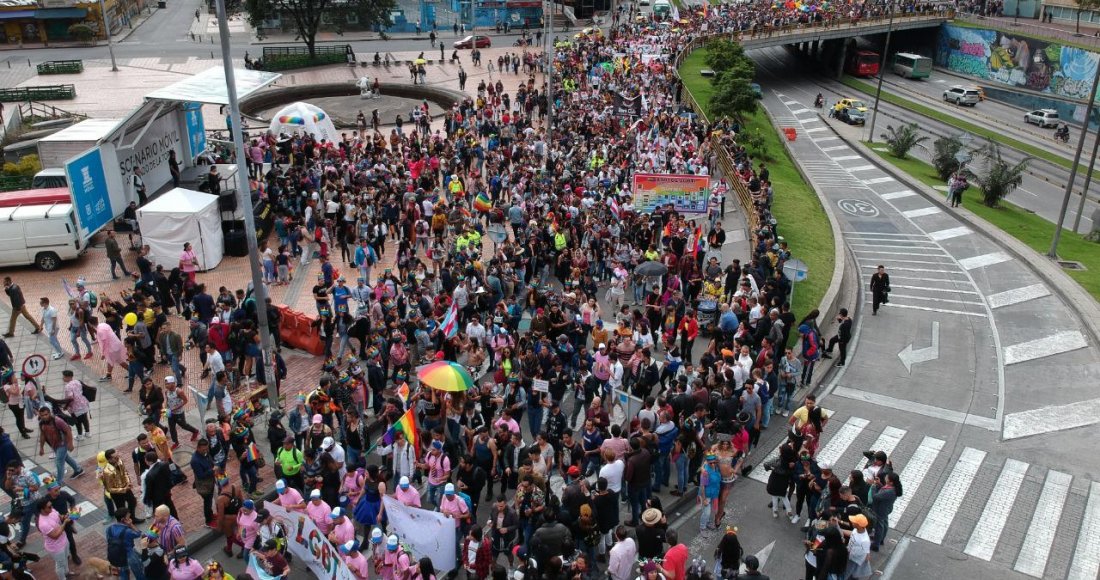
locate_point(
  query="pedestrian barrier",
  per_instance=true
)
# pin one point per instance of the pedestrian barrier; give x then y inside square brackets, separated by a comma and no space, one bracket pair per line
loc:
[38,93]
[61,67]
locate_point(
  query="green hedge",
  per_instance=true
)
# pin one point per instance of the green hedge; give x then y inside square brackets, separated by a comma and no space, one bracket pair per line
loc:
[292,61]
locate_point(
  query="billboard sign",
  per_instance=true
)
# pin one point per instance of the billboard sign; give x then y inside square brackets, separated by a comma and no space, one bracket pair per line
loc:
[686,193]
[91,196]
[196,128]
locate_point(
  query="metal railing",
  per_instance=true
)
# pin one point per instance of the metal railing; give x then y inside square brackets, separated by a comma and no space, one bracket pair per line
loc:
[1006,24]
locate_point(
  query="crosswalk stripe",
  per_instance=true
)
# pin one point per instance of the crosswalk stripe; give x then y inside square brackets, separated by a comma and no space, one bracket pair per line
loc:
[914,473]
[1032,559]
[1058,343]
[949,233]
[984,260]
[1017,295]
[915,213]
[847,157]
[838,444]
[887,441]
[983,540]
[878,180]
[815,130]
[950,496]
[1086,558]
[833,148]
[897,194]
[861,168]
[760,474]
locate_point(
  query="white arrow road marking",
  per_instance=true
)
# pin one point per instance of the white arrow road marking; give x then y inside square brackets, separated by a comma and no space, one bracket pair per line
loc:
[910,356]
[761,556]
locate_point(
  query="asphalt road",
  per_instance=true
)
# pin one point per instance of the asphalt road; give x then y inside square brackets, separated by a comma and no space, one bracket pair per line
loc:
[1042,190]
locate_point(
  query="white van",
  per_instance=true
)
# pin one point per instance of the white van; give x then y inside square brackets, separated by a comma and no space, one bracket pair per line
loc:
[43,235]
[49,178]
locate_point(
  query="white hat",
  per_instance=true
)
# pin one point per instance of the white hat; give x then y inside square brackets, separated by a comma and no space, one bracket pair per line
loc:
[376,536]
[391,542]
[315,494]
[602,345]
[170,379]
[449,489]
[404,482]
[328,443]
[825,465]
[337,512]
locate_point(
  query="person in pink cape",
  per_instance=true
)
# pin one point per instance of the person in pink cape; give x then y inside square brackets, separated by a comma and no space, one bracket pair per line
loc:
[111,348]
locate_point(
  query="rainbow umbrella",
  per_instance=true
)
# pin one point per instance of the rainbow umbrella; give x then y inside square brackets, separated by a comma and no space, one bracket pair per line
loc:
[482,203]
[445,376]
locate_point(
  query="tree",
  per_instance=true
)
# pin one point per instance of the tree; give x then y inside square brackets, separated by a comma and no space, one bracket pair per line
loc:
[733,96]
[82,32]
[1083,5]
[944,151]
[306,15]
[901,140]
[724,55]
[1000,177]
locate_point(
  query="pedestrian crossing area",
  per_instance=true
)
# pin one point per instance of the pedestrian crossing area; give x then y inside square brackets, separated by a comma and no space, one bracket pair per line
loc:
[1040,522]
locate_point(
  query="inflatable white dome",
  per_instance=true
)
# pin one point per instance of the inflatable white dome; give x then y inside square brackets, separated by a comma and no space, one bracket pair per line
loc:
[304,118]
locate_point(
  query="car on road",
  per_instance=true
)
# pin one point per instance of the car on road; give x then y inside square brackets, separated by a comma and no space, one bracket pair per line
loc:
[756,90]
[1042,117]
[590,32]
[851,116]
[847,103]
[643,2]
[474,41]
[962,96]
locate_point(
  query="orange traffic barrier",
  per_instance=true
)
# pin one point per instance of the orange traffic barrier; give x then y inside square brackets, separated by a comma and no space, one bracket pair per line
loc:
[791,133]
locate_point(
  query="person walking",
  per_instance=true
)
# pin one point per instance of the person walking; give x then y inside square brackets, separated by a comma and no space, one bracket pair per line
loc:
[77,404]
[202,467]
[176,401]
[16,403]
[114,254]
[50,326]
[58,435]
[843,336]
[77,330]
[18,306]
[64,503]
[158,484]
[880,289]
[53,526]
[121,554]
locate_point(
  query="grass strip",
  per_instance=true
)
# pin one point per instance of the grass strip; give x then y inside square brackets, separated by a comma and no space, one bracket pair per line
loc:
[1026,226]
[990,134]
[802,220]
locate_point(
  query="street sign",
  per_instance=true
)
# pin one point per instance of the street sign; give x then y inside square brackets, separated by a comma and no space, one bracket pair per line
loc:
[34,365]
[796,269]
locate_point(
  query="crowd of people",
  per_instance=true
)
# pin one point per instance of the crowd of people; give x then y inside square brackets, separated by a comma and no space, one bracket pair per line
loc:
[555,320]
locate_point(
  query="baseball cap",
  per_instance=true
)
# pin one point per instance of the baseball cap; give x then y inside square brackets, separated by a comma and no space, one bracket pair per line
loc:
[376,536]
[280,486]
[349,546]
[337,513]
[328,443]
[317,419]
[315,494]
[574,471]
[170,379]
[391,542]
[248,504]
[449,489]
[404,482]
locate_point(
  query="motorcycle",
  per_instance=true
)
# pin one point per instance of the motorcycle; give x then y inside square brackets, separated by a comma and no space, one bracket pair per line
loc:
[1062,135]
[819,101]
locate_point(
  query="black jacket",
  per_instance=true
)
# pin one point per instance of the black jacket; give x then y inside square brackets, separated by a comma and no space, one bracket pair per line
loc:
[158,484]
[844,332]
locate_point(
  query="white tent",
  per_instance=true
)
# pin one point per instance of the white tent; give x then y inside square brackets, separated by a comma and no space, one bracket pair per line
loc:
[303,118]
[180,216]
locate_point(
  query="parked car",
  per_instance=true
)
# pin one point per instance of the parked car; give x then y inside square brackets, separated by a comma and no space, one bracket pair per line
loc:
[962,96]
[847,103]
[1042,117]
[852,116]
[474,41]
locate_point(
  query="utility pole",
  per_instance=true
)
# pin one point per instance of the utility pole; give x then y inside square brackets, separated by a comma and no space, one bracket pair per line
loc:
[1053,252]
[548,50]
[1088,178]
[107,33]
[244,201]
[881,73]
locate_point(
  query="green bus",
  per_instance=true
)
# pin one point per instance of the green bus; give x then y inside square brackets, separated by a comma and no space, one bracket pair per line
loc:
[913,66]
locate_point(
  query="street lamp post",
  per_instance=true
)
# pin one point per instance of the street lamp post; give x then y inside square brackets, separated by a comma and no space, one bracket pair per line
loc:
[107,33]
[881,73]
[1088,179]
[244,200]
[1053,252]
[547,48]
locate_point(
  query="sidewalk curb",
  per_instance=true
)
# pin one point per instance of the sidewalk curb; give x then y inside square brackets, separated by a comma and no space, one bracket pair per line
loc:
[1066,288]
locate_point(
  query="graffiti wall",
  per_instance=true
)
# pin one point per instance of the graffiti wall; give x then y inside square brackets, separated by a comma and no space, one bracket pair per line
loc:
[1017,61]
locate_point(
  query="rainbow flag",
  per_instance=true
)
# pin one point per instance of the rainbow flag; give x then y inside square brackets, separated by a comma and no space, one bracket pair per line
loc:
[696,241]
[253,452]
[482,203]
[407,425]
[616,210]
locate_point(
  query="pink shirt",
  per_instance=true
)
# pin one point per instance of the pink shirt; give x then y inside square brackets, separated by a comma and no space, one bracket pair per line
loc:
[510,424]
[289,498]
[454,507]
[189,570]
[409,497]
[318,512]
[344,531]
[248,527]
[186,263]
[439,468]
[358,565]
[46,525]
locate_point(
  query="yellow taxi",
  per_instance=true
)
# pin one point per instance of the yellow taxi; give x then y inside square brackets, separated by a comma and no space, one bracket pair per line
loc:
[847,103]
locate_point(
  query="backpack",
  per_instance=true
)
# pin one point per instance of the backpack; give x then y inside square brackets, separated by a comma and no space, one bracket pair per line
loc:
[469,504]
[93,300]
[117,552]
[233,506]
[88,391]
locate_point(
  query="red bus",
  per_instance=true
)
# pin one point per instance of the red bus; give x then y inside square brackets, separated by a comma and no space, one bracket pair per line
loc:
[864,63]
